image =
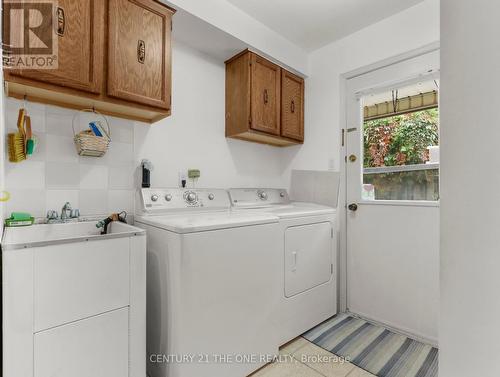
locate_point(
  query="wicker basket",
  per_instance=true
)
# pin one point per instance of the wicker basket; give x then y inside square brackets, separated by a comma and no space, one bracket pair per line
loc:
[86,143]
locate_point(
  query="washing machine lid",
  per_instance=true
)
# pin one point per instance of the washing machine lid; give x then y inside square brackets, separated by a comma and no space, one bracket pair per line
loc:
[201,222]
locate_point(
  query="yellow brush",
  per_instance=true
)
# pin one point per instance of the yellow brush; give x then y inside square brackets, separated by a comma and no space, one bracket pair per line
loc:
[17,141]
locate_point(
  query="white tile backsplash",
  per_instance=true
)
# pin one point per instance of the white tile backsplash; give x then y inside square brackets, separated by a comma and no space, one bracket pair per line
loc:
[59,124]
[121,177]
[93,177]
[60,149]
[120,153]
[56,174]
[62,175]
[93,202]
[26,200]
[121,200]
[25,175]
[55,201]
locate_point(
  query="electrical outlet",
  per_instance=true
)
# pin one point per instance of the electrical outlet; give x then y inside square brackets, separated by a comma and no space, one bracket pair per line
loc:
[194,173]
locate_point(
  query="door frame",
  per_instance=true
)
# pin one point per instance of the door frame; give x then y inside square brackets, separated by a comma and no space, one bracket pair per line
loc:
[342,205]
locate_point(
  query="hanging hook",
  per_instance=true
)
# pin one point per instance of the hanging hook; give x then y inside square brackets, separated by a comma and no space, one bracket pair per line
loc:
[395,100]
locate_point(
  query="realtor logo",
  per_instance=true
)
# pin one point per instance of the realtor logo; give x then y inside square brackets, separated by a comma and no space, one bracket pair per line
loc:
[30,35]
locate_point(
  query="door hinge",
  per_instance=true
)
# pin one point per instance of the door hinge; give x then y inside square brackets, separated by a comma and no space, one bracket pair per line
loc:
[331,232]
[345,158]
[331,268]
[250,119]
[343,136]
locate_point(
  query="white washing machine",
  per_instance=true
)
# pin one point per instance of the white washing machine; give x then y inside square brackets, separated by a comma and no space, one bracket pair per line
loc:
[212,284]
[308,253]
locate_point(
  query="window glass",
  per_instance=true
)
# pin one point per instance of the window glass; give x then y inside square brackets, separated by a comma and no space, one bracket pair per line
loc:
[401,155]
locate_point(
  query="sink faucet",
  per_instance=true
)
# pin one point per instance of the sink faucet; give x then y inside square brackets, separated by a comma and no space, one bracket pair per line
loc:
[66,212]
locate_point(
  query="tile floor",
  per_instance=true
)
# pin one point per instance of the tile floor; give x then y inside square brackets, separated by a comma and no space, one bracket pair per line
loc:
[301,358]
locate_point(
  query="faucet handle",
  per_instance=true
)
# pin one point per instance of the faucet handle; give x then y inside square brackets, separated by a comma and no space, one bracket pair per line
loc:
[75,213]
[52,215]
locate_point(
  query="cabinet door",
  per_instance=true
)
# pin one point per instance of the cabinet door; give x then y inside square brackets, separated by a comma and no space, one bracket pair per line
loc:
[78,280]
[266,89]
[308,257]
[80,41]
[292,106]
[139,63]
[93,347]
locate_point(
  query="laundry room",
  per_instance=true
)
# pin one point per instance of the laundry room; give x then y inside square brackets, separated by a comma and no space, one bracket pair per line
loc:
[233,188]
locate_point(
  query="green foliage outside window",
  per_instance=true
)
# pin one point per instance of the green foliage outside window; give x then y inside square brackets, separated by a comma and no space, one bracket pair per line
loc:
[400,139]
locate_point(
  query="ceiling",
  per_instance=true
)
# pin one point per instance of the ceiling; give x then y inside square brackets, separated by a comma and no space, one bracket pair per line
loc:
[314,23]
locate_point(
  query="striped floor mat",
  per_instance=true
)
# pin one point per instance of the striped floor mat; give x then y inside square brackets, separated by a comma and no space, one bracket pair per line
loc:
[374,348]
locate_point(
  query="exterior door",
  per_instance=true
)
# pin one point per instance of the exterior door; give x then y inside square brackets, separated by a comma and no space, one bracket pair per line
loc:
[80,41]
[139,52]
[265,88]
[392,244]
[292,106]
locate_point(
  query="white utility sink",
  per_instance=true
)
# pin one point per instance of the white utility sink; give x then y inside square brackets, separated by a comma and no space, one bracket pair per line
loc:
[47,234]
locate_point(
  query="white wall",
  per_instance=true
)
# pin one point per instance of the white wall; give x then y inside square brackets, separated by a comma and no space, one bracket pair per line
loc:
[403,32]
[470,181]
[409,30]
[194,136]
[233,21]
[56,174]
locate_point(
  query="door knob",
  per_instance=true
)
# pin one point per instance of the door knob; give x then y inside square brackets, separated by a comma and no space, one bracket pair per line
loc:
[353,207]
[352,158]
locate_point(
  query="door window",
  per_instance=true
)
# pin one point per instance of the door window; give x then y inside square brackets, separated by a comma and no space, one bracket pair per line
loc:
[401,144]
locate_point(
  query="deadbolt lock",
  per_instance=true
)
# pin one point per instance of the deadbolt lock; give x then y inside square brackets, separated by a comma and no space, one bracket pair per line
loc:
[352,158]
[352,207]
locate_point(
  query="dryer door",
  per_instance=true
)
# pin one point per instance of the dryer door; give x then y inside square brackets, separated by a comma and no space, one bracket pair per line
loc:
[308,257]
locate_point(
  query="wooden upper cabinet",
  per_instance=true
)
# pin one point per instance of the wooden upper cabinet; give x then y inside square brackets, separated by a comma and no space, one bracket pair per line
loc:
[113,56]
[264,102]
[80,40]
[139,57]
[292,106]
[266,87]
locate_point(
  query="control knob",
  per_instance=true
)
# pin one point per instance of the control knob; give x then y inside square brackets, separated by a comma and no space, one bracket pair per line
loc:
[190,197]
[211,196]
[262,195]
[168,197]
[154,198]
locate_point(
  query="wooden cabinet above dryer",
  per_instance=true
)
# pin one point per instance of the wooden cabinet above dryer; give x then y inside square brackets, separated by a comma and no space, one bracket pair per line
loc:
[113,56]
[264,102]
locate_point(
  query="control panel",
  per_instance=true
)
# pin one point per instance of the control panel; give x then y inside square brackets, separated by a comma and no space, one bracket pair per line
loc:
[256,197]
[165,199]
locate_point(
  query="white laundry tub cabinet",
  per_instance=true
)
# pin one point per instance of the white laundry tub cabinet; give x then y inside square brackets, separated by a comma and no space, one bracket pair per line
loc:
[74,301]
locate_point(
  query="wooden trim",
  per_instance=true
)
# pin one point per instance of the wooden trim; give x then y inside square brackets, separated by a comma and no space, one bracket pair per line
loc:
[237,56]
[78,102]
[263,138]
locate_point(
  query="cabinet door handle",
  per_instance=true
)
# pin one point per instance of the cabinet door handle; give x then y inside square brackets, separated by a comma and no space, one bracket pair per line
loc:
[61,21]
[266,97]
[292,106]
[141,51]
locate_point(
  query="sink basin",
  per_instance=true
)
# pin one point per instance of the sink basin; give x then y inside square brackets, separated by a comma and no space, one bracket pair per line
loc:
[47,234]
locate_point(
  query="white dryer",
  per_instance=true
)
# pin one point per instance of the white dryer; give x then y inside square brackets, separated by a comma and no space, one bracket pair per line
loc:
[212,284]
[308,253]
